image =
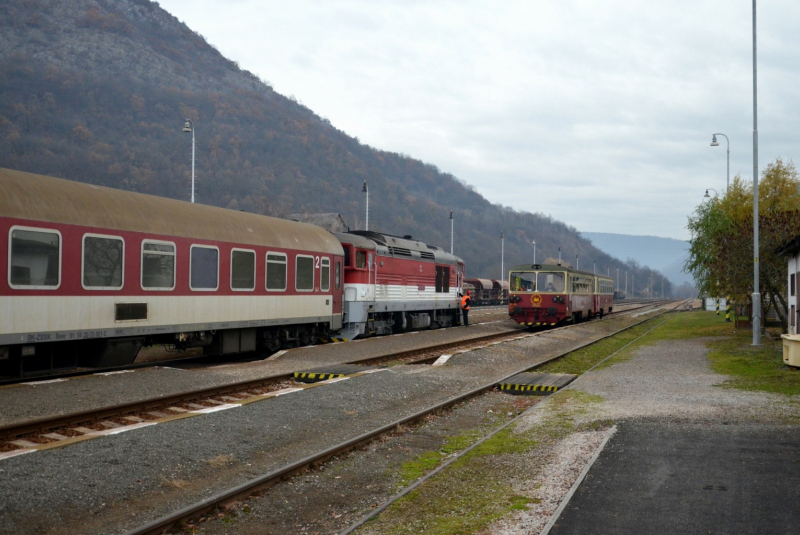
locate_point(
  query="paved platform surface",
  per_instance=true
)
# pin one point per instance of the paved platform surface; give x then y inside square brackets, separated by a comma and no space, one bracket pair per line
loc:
[690,478]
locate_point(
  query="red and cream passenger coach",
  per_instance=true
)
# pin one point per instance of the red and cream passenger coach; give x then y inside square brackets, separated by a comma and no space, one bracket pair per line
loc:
[91,274]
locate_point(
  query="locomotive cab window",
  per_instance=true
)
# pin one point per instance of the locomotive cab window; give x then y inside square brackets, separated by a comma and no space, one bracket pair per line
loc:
[551,282]
[361,259]
[34,259]
[523,282]
[325,275]
[158,265]
[304,273]
[243,270]
[103,261]
[203,268]
[276,272]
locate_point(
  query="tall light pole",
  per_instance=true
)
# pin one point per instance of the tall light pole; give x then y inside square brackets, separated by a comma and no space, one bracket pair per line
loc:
[756,288]
[626,284]
[365,191]
[534,251]
[577,265]
[502,256]
[188,126]
[451,232]
[715,143]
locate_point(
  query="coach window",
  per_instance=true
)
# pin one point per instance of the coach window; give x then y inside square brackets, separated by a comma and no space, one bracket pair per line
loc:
[203,268]
[304,273]
[103,260]
[35,259]
[243,270]
[158,265]
[276,272]
[325,275]
[361,259]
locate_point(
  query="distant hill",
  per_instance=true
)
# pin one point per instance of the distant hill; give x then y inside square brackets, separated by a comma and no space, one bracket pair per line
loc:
[666,255]
[97,91]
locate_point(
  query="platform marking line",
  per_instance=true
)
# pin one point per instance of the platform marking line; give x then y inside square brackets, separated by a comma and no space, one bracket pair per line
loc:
[276,355]
[114,373]
[216,409]
[47,382]
[565,501]
[441,360]
[365,372]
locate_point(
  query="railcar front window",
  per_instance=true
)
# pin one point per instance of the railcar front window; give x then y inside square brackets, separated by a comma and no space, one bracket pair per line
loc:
[158,266]
[523,282]
[304,274]
[102,262]
[204,269]
[35,258]
[243,270]
[325,275]
[276,272]
[551,282]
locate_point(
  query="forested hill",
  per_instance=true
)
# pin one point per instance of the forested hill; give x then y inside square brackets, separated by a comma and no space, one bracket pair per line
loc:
[97,90]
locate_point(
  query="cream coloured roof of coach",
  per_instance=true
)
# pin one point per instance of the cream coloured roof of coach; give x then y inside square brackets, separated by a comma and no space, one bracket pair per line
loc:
[55,200]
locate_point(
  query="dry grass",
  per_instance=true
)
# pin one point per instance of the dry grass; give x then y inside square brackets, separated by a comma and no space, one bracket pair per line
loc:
[173,483]
[220,460]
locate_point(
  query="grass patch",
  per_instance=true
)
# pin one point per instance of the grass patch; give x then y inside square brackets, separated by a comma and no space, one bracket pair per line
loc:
[478,489]
[581,360]
[749,367]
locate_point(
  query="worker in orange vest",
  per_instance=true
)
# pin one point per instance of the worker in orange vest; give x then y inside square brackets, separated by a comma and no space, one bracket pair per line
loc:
[465,302]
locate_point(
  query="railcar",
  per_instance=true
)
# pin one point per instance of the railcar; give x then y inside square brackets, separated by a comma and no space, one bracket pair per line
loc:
[91,274]
[552,294]
[486,291]
[394,284]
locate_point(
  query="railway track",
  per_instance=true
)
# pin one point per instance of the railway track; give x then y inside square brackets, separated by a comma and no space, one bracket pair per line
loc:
[63,430]
[247,489]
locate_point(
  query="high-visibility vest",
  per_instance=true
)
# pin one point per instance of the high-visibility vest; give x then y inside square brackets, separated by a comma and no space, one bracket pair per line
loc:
[464,304]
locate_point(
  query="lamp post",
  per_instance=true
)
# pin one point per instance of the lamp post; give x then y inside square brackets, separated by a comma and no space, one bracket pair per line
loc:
[756,293]
[534,251]
[188,126]
[715,143]
[502,256]
[365,191]
[451,232]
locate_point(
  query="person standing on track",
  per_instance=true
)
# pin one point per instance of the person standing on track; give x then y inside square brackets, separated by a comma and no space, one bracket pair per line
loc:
[465,302]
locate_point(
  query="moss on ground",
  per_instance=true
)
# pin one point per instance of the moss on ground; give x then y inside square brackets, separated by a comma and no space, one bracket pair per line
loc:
[478,489]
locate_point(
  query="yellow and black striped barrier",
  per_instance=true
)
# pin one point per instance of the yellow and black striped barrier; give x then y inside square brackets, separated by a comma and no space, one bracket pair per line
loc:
[532,383]
[728,308]
[308,377]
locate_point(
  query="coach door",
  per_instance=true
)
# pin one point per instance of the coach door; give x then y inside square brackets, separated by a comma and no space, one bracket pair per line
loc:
[338,289]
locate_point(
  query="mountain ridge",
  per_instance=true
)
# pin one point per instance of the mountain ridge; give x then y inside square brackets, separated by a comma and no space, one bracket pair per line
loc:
[97,91]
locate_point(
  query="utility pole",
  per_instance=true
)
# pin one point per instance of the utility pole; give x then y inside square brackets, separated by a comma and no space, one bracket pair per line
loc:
[451,232]
[366,192]
[502,256]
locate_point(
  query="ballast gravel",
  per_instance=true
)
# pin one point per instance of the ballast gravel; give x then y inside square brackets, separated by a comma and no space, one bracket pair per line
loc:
[114,483]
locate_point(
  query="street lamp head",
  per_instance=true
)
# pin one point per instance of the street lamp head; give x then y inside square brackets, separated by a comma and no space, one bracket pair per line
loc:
[707,196]
[187,126]
[714,142]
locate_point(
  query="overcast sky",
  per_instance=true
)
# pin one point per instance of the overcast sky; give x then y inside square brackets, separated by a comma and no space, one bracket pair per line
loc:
[597,113]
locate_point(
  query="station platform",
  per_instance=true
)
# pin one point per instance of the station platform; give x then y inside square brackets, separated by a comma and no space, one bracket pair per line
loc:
[690,478]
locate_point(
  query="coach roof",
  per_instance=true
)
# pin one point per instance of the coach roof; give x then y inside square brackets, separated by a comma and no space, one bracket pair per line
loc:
[54,200]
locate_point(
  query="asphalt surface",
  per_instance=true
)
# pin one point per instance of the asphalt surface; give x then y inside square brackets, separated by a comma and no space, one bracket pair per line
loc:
[690,478]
